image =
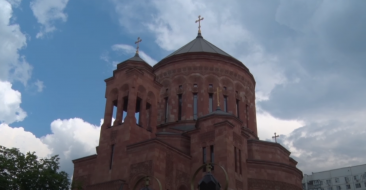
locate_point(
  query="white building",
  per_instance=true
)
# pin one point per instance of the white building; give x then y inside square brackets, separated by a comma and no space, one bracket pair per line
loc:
[353,177]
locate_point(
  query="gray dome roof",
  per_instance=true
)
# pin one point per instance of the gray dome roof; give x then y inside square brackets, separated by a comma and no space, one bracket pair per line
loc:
[199,45]
[136,58]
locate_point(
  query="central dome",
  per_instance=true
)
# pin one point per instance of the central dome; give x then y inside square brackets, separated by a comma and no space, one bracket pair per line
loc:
[199,45]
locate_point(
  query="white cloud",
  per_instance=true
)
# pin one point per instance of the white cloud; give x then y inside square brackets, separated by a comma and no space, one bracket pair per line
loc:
[70,139]
[24,140]
[39,84]
[221,26]
[10,110]
[13,67]
[267,125]
[15,3]
[127,49]
[47,13]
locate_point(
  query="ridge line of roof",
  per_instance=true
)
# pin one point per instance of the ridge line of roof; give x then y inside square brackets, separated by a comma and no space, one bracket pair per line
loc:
[209,43]
[194,42]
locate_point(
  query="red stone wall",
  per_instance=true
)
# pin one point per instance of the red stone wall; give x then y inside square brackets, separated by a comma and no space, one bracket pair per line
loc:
[205,70]
[168,150]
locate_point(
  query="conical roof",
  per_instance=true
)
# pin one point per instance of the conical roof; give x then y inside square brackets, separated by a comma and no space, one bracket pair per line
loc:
[136,58]
[199,45]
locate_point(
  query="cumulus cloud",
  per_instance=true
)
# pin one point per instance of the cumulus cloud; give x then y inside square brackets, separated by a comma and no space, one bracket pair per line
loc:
[332,144]
[10,99]
[26,141]
[127,49]
[267,125]
[48,13]
[13,67]
[306,56]
[172,29]
[70,139]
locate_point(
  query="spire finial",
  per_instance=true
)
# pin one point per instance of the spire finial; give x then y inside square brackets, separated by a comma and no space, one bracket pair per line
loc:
[275,137]
[137,44]
[199,23]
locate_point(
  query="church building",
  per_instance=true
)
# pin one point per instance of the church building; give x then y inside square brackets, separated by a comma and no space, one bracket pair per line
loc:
[196,105]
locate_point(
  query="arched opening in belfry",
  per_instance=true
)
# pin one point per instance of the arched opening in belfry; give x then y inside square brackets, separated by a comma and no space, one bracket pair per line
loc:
[124,110]
[138,111]
[115,107]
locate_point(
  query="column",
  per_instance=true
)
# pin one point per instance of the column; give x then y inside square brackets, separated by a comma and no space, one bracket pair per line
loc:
[108,113]
[119,110]
[131,108]
[142,118]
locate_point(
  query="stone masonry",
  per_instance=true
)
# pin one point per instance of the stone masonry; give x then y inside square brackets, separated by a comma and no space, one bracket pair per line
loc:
[169,142]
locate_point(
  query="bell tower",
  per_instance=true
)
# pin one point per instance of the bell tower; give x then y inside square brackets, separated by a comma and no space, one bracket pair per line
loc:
[130,99]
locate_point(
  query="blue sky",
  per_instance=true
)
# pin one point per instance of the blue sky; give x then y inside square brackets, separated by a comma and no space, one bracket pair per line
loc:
[308,59]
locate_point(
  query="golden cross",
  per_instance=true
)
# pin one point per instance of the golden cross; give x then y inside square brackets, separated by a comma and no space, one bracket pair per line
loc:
[218,96]
[137,44]
[199,23]
[275,137]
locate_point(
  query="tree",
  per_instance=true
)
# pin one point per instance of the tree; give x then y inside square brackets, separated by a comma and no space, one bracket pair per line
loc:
[20,171]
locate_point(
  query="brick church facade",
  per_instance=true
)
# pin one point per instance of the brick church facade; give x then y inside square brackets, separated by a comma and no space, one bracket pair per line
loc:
[195,105]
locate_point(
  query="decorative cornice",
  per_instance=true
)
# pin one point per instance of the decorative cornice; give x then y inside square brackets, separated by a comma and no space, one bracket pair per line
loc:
[247,132]
[203,55]
[159,142]
[275,164]
[206,117]
[177,135]
[224,123]
[252,141]
[84,158]
[293,161]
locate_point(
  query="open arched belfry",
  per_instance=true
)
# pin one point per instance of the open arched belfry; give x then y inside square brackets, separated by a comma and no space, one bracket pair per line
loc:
[196,105]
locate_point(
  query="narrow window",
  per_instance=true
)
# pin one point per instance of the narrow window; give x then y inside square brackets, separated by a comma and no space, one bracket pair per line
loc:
[212,156]
[125,104]
[358,185]
[239,161]
[179,107]
[194,106]
[210,102]
[237,108]
[111,160]
[225,103]
[235,160]
[148,114]
[247,110]
[166,110]
[194,85]
[204,157]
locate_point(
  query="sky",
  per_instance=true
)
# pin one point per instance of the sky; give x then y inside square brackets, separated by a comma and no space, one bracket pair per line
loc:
[308,59]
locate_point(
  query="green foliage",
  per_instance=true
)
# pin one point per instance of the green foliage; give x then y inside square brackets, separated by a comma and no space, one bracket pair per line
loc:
[20,171]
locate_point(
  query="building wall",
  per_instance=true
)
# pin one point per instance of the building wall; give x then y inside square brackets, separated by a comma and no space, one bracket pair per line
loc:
[343,178]
[172,149]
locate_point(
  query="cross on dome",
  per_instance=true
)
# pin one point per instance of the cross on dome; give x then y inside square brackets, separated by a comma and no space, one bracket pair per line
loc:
[275,137]
[137,44]
[199,23]
[218,96]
